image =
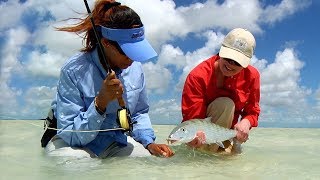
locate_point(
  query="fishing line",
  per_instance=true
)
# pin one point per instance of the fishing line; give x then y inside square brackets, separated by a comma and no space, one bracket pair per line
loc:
[68,130]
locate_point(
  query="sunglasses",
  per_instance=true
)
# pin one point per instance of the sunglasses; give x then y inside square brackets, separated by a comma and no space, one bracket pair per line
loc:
[232,62]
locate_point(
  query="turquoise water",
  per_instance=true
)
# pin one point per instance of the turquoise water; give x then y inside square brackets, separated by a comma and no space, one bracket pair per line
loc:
[271,153]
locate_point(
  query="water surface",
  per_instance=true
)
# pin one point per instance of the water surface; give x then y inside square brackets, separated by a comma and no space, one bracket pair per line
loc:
[271,153]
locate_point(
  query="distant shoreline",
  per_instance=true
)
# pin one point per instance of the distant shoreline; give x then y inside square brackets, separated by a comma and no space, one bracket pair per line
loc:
[262,124]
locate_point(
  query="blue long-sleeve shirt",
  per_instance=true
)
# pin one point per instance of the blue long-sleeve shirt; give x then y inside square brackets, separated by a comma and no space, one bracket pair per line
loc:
[80,81]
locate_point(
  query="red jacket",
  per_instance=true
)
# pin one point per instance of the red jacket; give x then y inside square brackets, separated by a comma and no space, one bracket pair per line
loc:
[200,90]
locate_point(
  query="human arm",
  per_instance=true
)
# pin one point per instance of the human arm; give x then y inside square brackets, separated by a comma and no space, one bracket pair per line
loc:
[250,112]
[193,105]
[72,113]
[142,129]
[193,98]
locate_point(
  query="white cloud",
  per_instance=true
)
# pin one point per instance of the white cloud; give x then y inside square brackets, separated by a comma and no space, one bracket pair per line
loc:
[168,22]
[63,43]
[166,111]
[46,64]
[158,75]
[10,64]
[10,13]
[276,13]
[8,101]
[164,22]
[317,98]
[11,51]
[39,100]
[171,56]
[210,48]
[60,43]
[228,15]
[280,81]
[157,78]
[283,98]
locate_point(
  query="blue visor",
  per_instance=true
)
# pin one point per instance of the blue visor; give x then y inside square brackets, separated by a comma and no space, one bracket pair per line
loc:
[131,41]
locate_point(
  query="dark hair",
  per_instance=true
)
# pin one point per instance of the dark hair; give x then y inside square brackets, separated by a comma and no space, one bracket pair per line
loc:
[116,17]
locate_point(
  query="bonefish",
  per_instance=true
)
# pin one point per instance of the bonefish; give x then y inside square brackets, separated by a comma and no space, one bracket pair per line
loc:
[187,130]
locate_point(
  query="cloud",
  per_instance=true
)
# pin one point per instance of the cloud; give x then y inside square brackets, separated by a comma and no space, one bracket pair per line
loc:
[211,14]
[159,75]
[11,12]
[276,13]
[165,23]
[8,101]
[171,56]
[194,58]
[39,100]
[178,22]
[45,64]
[283,98]
[157,78]
[10,64]
[280,81]
[62,44]
[10,53]
[317,97]
[169,111]
[161,20]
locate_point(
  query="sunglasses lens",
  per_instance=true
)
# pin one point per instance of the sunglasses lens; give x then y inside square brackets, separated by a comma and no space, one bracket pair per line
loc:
[230,61]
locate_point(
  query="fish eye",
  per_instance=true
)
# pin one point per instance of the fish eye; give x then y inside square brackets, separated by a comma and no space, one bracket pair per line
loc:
[183,129]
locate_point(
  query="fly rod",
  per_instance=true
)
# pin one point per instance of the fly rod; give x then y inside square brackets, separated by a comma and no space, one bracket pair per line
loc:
[123,114]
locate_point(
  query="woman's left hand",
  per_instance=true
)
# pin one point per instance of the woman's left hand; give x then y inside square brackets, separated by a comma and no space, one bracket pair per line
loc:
[242,128]
[160,150]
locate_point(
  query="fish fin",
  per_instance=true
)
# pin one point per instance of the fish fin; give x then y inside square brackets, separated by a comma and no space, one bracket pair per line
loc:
[220,144]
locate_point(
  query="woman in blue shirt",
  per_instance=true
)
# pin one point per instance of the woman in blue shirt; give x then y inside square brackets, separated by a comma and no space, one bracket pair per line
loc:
[87,93]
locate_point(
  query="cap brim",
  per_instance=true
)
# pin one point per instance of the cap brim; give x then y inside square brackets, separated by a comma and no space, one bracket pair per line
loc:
[235,55]
[138,51]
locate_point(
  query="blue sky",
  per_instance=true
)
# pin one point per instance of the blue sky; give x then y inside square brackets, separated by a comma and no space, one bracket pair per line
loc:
[184,33]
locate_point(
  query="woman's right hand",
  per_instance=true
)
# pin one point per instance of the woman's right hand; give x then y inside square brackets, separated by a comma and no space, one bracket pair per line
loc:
[198,140]
[111,89]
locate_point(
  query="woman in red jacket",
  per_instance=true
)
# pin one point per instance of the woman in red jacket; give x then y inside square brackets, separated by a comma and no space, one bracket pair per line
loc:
[226,88]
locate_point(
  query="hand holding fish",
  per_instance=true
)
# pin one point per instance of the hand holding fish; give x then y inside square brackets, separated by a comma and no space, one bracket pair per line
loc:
[160,150]
[196,132]
[242,128]
[199,140]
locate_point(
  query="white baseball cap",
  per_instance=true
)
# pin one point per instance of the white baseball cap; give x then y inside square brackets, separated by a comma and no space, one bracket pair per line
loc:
[238,45]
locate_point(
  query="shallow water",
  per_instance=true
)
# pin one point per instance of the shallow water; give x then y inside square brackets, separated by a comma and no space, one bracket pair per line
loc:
[271,153]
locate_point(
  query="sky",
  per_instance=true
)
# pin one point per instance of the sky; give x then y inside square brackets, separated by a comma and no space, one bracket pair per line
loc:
[183,33]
